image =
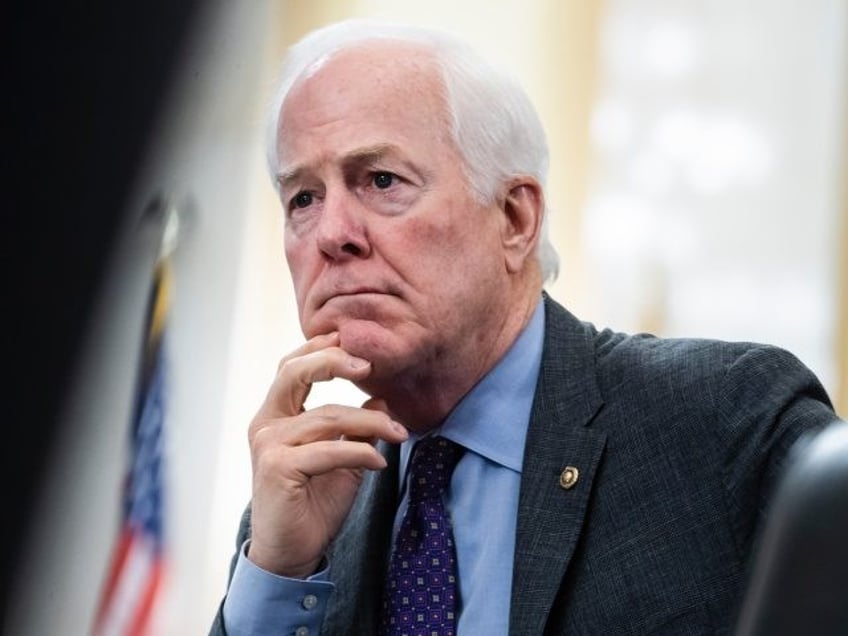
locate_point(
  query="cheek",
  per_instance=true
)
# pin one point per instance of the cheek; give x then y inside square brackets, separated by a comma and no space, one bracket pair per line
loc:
[435,241]
[298,263]
[294,256]
[425,257]
[450,247]
[449,266]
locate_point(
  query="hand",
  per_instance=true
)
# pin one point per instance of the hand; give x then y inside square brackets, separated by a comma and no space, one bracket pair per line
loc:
[308,465]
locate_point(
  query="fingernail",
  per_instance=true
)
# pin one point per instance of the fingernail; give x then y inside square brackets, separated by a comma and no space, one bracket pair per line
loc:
[358,363]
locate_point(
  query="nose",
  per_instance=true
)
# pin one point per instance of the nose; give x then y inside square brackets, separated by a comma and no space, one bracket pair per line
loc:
[342,232]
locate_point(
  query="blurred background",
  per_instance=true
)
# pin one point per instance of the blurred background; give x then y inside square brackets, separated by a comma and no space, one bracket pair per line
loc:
[697,188]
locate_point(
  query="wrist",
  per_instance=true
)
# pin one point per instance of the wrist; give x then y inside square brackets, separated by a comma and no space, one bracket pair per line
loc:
[281,566]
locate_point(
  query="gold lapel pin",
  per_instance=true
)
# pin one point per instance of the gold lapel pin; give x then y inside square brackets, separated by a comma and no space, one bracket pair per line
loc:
[568,477]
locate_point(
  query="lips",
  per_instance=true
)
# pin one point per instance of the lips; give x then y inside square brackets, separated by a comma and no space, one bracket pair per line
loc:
[323,299]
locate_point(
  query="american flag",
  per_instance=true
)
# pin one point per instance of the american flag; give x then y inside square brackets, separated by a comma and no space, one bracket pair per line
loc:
[134,578]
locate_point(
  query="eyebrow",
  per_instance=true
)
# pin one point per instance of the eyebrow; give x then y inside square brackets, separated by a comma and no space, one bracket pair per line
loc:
[365,155]
[369,154]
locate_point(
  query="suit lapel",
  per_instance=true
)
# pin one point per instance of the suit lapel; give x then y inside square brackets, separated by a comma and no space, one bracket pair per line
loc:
[551,510]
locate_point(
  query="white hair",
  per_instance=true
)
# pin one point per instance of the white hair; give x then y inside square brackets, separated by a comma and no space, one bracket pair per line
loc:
[494,125]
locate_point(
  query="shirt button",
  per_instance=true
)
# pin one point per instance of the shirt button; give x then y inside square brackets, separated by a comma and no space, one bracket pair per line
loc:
[301,631]
[309,602]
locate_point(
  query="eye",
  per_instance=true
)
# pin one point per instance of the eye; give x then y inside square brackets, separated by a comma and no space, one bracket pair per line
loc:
[301,200]
[383,180]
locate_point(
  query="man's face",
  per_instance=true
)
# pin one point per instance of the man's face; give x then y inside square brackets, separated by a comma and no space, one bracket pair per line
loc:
[383,238]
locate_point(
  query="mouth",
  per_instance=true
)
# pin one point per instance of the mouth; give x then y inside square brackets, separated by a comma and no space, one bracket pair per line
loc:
[350,293]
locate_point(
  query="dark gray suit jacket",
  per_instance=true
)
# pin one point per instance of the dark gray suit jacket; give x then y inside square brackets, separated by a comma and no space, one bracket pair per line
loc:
[678,445]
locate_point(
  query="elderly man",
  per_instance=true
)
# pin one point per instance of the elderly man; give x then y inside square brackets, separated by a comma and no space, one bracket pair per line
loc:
[515,470]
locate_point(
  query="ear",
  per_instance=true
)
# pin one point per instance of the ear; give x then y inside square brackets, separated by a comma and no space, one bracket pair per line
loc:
[522,209]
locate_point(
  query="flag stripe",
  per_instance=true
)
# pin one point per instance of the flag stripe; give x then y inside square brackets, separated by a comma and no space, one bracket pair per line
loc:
[120,557]
[134,578]
[141,620]
[122,609]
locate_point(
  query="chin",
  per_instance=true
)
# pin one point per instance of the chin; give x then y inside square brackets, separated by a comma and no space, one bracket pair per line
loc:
[366,339]
[387,349]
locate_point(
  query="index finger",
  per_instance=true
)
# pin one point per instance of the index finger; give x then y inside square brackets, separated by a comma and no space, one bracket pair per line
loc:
[296,375]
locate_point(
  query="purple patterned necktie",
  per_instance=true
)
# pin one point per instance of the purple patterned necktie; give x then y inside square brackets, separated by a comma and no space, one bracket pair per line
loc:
[421,592]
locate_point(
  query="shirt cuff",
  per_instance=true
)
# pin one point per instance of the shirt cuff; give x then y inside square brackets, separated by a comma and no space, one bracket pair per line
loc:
[260,603]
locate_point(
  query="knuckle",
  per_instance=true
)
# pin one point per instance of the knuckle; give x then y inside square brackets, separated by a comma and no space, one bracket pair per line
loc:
[328,414]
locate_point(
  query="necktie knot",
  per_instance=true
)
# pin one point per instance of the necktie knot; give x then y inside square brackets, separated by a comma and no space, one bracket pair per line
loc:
[433,461]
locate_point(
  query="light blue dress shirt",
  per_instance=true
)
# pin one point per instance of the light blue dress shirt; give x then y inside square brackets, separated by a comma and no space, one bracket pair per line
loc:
[491,423]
